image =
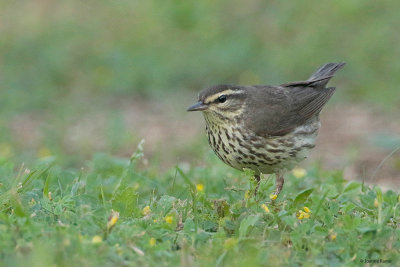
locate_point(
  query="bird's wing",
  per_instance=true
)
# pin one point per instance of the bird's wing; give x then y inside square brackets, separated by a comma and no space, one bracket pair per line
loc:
[285,109]
[277,110]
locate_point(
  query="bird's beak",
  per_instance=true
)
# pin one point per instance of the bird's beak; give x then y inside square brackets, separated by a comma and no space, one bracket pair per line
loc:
[198,106]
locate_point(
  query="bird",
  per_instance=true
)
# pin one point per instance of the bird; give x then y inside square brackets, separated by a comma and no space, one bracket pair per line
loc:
[268,129]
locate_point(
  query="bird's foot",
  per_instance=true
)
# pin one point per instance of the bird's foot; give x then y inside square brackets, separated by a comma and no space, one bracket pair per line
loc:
[279,185]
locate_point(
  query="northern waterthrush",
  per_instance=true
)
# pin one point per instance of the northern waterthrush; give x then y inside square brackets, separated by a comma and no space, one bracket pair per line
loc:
[268,129]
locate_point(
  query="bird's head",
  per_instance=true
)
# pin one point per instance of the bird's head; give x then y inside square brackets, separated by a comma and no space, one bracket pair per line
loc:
[221,101]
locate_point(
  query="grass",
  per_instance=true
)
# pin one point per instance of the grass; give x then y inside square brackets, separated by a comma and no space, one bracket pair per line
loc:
[68,71]
[113,213]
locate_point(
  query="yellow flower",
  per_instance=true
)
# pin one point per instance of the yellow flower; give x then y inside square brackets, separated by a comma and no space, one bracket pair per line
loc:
[200,187]
[300,215]
[155,220]
[299,172]
[146,210]
[303,214]
[112,220]
[265,208]
[333,237]
[376,203]
[273,196]
[152,242]
[96,239]
[169,219]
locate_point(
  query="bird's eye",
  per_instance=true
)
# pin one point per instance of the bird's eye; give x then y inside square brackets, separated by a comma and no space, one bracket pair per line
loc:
[222,98]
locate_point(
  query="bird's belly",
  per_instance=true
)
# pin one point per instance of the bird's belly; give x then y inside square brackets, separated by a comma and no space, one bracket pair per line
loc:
[241,149]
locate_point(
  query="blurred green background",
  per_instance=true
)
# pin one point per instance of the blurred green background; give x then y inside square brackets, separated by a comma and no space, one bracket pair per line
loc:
[80,77]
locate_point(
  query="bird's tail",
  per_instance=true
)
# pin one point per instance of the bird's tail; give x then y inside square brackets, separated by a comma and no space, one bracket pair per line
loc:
[326,71]
[322,76]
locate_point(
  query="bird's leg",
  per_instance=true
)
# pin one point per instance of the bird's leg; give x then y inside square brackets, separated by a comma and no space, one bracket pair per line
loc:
[257,177]
[279,183]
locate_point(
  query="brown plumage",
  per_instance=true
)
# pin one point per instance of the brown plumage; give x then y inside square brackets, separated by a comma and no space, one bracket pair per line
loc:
[266,128]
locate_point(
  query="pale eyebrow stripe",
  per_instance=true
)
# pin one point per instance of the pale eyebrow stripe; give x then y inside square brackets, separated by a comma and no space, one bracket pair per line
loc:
[211,98]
